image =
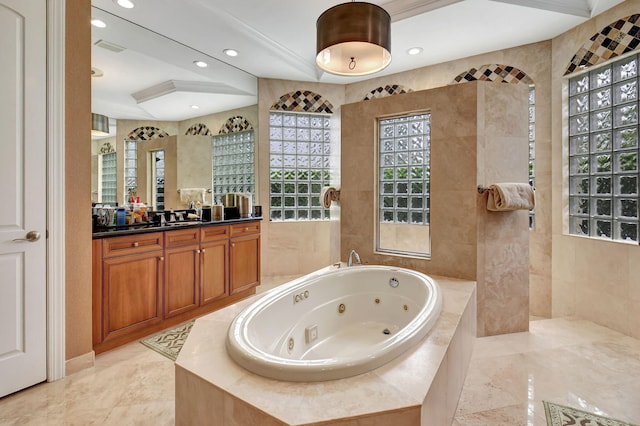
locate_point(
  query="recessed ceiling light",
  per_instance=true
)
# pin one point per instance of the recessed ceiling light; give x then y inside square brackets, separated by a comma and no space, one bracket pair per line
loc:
[127,4]
[194,107]
[414,51]
[201,64]
[230,52]
[98,23]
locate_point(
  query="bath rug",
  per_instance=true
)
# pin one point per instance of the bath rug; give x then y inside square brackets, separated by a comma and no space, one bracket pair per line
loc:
[559,415]
[169,342]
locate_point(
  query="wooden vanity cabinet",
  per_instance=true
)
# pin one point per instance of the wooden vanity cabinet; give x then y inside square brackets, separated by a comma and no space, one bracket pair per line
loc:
[214,263]
[132,281]
[244,256]
[147,282]
[182,271]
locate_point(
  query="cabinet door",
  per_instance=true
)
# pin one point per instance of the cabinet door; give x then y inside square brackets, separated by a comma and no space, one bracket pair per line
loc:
[132,295]
[181,292]
[214,258]
[245,262]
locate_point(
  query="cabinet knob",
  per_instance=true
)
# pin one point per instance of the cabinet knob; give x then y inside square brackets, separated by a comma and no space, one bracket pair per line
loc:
[161,258]
[246,229]
[136,244]
[233,244]
[202,250]
[198,251]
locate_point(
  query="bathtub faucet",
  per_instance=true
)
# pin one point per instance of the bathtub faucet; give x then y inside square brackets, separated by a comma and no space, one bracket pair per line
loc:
[353,254]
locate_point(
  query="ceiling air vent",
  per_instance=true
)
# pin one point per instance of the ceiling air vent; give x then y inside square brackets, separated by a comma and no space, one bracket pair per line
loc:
[110,46]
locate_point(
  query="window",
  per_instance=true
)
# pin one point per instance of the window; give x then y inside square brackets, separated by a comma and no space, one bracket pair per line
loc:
[403,177]
[157,179]
[603,151]
[532,147]
[233,163]
[130,169]
[299,165]
[108,179]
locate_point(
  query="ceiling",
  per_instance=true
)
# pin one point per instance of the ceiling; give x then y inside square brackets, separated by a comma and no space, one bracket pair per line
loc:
[154,77]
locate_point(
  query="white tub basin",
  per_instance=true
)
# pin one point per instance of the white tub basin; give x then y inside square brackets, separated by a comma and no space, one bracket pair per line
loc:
[334,323]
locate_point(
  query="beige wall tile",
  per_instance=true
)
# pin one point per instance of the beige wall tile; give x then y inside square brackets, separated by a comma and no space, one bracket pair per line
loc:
[465,150]
[593,279]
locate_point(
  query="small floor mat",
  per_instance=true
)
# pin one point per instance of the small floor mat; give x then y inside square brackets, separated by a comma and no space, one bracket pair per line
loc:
[559,415]
[169,342]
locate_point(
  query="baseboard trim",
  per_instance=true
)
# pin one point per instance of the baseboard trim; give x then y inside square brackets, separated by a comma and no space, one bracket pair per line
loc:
[80,363]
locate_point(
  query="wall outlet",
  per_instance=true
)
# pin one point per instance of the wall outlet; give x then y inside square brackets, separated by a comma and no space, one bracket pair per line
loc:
[311,333]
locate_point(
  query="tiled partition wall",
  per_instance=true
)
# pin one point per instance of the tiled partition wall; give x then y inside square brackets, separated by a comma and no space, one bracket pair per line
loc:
[535,61]
[593,279]
[479,135]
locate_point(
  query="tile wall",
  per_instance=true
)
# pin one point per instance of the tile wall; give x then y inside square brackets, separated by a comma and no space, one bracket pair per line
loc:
[593,279]
[296,248]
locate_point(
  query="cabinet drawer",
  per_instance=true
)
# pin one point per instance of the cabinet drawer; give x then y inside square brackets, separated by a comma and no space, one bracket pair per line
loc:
[214,233]
[248,228]
[132,244]
[182,237]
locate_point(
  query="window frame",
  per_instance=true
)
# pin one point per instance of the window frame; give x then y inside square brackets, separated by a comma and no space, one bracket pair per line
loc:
[426,180]
[595,145]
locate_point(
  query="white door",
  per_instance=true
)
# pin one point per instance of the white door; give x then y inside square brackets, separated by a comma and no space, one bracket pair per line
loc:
[23,285]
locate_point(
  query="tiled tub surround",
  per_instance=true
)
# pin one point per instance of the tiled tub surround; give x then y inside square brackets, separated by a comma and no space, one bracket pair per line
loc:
[420,387]
[479,135]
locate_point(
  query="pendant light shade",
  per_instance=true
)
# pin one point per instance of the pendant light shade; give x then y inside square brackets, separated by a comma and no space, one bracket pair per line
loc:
[99,125]
[353,39]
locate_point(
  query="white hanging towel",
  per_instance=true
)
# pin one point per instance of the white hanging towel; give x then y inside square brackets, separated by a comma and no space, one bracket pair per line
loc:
[328,194]
[510,196]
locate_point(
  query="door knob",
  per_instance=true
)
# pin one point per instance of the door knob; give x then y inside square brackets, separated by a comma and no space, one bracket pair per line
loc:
[32,236]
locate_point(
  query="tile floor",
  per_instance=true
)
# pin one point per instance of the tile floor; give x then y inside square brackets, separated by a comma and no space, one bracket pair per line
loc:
[566,361]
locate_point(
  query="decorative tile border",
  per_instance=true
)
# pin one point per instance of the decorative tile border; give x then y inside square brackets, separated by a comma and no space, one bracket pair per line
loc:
[613,40]
[235,124]
[388,90]
[106,148]
[303,101]
[494,72]
[146,133]
[198,129]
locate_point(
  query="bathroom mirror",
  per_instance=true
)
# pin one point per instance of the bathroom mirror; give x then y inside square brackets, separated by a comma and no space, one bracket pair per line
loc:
[144,79]
[404,174]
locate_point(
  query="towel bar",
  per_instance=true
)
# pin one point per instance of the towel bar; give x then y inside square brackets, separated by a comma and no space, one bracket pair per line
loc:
[482,189]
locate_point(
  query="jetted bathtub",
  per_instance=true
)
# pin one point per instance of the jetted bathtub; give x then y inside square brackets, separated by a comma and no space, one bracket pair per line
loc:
[334,323]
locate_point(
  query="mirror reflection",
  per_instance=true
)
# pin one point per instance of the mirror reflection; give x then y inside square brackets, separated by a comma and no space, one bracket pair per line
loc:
[164,111]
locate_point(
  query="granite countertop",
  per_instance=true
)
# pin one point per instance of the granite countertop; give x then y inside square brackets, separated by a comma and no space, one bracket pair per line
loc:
[142,228]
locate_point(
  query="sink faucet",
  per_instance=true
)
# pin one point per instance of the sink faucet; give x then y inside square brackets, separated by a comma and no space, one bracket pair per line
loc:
[353,254]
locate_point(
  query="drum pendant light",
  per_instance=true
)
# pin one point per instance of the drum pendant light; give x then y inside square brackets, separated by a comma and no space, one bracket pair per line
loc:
[99,125]
[353,39]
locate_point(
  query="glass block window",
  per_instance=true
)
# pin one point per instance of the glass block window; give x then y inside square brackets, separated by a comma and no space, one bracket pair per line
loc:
[404,174]
[603,151]
[158,175]
[532,147]
[130,169]
[108,178]
[299,165]
[234,163]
